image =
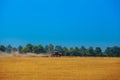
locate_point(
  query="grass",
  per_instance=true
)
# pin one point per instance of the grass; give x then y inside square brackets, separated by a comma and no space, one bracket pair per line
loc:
[64,68]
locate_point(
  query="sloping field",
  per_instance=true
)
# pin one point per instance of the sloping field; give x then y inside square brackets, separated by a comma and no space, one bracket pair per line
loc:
[37,68]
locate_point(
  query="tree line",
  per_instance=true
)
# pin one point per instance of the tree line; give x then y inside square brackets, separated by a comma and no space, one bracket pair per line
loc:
[73,51]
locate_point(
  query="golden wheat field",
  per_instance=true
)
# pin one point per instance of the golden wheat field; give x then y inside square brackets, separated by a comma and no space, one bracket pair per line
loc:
[63,68]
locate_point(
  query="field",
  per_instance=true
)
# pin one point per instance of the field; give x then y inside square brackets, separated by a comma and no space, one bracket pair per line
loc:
[63,68]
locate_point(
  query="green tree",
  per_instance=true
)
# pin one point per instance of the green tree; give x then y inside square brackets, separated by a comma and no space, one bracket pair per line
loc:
[113,51]
[116,51]
[20,48]
[108,51]
[58,48]
[76,52]
[9,48]
[98,51]
[41,49]
[47,49]
[83,51]
[51,48]
[65,51]
[14,49]
[28,48]
[35,49]
[71,51]
[91,51]
[2,48]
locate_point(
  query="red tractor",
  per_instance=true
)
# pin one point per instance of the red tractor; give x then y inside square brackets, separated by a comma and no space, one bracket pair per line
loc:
[56,54]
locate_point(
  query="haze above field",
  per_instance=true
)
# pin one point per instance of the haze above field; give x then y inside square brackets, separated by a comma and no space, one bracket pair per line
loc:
[64,22]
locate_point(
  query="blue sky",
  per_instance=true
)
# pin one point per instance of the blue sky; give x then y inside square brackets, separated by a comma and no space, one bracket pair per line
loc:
[62,22]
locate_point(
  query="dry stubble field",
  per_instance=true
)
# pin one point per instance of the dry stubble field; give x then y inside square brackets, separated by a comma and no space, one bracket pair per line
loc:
[64,68]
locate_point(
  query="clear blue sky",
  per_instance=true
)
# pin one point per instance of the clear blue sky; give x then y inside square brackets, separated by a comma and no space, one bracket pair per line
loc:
[62,22]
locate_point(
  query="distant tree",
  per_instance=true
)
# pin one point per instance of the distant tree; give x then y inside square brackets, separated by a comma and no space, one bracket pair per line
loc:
[14,49]
[58,48]
[98,51]
[47,49]
[27,48]
[76,51]
[116,51]
[113,51]
[9,48]
[83,51]
[20,48]
[35,49]
[41,49]
[2,48]
[71,51]
[108,51]
[50,48]
[65,51]
[24,50]
[91,51]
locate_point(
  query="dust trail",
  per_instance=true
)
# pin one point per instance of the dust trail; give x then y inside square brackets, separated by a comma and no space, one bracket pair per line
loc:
[17,54]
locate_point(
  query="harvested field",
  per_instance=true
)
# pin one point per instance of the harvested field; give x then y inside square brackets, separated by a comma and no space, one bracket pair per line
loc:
[63,68]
